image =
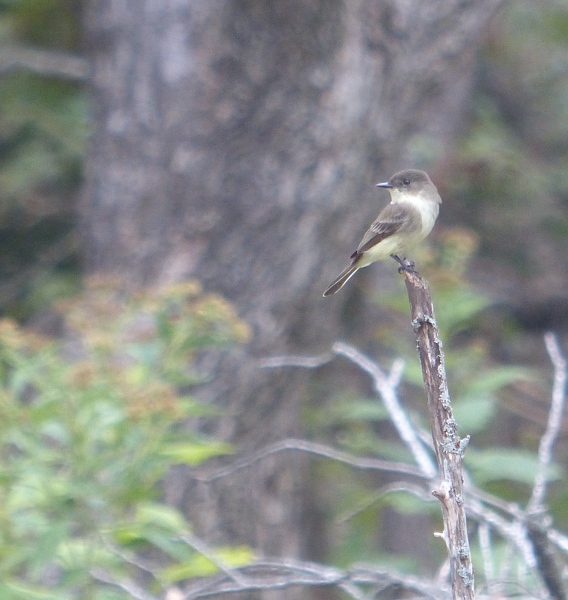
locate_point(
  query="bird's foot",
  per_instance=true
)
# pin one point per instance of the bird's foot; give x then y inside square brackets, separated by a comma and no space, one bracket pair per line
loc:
[405,264]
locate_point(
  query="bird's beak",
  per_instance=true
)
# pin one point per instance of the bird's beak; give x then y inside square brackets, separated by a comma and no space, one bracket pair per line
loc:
[386,184]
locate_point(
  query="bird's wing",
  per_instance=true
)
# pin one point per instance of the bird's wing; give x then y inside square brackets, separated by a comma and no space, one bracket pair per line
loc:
[389,221]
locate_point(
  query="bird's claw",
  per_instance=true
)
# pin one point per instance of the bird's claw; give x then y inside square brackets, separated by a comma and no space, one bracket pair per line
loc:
[405,264]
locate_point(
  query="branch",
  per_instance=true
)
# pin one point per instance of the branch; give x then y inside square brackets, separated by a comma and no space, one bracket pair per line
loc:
[547,566]
[385,387]
[308,362]
[48,63]
[447,445]
[395,486]
[274,574]
[486,552]
[493,514]
[478,508]
[210,554]
[538,522]
[536,503]
[132,589]
[513,531]
[312,448]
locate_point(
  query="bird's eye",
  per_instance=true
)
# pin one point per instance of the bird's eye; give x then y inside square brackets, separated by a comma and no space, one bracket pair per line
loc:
[406,181]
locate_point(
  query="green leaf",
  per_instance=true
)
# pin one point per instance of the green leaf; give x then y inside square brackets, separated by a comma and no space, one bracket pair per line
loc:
[456,307]
[495,464]
[200,566]
[194,453]
[491,380]
[473,414]
[18,591]
[161,515]
[82,553]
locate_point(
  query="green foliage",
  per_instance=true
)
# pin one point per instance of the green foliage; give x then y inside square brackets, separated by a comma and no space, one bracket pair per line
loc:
[513,464]
[510,168]
[85,441]
[43,133]
[198,565]
[43,121]
[43,130]
[51,23]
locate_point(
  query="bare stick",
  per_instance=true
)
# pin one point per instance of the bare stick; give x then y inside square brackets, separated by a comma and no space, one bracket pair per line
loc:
[548,567]
[447,445]
[385,387]
[277,574]
[315,448]
[308,362]
[538,522]
[537,501]
[396,486]
[486,552]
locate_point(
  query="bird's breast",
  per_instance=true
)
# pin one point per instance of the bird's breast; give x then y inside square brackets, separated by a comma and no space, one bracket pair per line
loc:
[428,212]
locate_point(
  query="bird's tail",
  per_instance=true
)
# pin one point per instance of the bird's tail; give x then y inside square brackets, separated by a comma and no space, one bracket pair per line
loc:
[341,280]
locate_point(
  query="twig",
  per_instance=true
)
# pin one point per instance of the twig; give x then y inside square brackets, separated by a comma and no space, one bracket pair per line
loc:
[368,574]
[385,386]
[131,588]
[308,362]
[266,575]
[514,532]
[395,486]
[537,521]
[548,568]
[536,503]
[484,535]
[131,559]
[48,63]
[210,554]
[312,448]
[559,540]
[272,574]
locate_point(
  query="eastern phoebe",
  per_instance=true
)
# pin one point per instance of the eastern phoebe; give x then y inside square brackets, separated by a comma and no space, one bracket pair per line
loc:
[407,220]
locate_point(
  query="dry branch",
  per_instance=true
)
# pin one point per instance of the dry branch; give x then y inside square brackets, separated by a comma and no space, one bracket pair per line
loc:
[527,549]
[538,520]
[448,446]
[537,501]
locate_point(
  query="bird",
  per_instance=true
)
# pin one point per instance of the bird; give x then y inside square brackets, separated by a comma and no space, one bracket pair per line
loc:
[406,221]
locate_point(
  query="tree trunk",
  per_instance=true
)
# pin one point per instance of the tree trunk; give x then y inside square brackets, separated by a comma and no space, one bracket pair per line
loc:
[232,141]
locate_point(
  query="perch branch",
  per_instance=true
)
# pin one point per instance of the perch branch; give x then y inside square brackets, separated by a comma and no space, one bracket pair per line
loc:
[448,446]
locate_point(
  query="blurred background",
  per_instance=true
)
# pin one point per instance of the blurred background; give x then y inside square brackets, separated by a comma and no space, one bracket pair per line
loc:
[234,146]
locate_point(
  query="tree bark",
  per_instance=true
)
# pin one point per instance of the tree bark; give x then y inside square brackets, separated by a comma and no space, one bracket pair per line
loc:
[232,141]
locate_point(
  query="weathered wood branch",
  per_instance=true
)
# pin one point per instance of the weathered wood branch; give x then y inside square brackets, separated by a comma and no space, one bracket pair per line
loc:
[448,446]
